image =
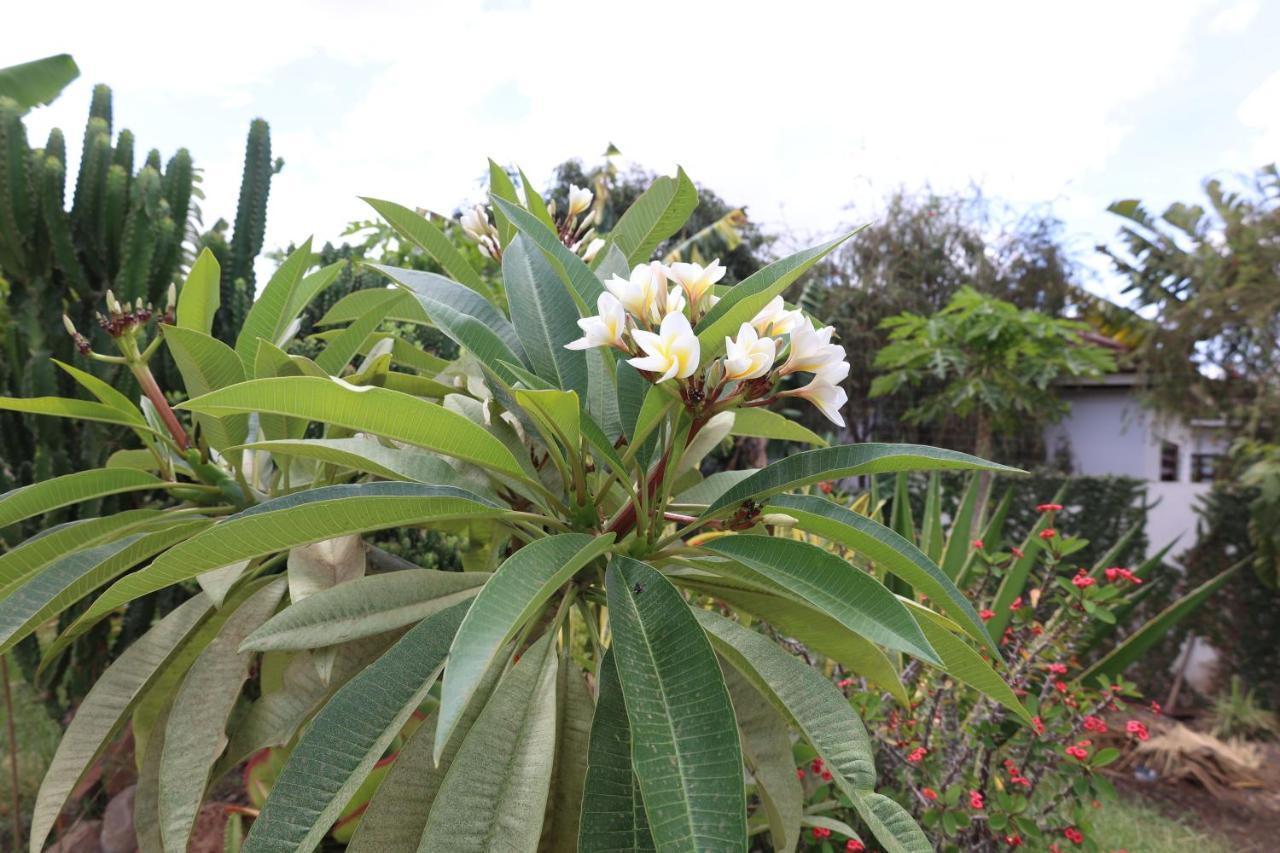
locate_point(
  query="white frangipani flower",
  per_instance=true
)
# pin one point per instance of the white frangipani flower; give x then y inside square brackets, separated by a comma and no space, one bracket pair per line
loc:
[475,222]
[811,350]
[749,356]
[604,330]
[579,199]
[674,302]
[593,249]
[697,280]
[774,320]
[637,293]
[672,352]
[826,392]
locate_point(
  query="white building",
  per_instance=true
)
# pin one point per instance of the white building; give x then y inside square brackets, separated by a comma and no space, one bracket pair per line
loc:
[1109,432]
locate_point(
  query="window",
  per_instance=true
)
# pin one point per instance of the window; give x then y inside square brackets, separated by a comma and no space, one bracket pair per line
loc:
[1204,467]
[1168,462]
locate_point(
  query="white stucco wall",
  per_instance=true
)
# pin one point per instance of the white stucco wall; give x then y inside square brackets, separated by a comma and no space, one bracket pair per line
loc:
[1107,432]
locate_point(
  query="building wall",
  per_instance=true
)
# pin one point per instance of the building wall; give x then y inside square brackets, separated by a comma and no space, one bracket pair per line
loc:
[1108,432]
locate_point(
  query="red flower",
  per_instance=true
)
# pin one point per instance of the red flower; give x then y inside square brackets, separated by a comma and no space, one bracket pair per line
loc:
[1155,707]
[1073,835]
[853,845]
[1060,686]
[1035,721]
[1094,724]
[1134,727]
[816,765]
[799,772]
[1058,668]
[821,832]
[977,544]
[1017,552]
[1013,840]
[1115,573]
[826,776]
[930,794]
[1082,579]
[917,755]
[827,487]
[986,615]
[1079,753]
[844,683]
[975,800]
[1016,605]
[1048,533]
[1048,507]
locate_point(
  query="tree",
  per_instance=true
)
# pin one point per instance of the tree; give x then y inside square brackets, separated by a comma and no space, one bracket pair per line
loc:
[984,357]
[1211,275]
[915,255]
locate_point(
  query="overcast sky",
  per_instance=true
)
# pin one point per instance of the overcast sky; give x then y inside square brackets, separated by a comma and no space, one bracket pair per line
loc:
[796,110]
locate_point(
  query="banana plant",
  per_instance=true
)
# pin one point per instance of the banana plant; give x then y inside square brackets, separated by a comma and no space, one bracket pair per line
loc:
[615,669]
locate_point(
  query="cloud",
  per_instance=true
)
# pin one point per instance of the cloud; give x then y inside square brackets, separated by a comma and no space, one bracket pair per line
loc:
[1235,18]
[795,110]
[1260,112]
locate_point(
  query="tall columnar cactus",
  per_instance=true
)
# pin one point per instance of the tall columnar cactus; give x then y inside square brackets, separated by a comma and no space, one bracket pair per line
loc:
[237,257]
[128,224]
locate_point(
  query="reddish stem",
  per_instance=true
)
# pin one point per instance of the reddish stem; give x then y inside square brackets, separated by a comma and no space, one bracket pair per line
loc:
[625,521]
[152,390]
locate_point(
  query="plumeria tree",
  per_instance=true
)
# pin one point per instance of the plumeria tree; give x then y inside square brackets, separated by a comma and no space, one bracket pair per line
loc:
[609,674]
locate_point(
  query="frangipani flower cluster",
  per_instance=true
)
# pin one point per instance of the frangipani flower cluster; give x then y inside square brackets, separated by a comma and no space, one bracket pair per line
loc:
[652,314]
[579,235]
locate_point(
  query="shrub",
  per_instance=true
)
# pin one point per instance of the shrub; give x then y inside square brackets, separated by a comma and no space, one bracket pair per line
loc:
[582,652]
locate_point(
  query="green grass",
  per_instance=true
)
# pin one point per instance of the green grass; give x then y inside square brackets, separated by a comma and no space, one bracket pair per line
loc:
[1127,824]
[37,736]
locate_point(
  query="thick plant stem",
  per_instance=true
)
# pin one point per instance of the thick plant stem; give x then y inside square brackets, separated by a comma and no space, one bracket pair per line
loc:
[149,387]
[13,751]
[626,520]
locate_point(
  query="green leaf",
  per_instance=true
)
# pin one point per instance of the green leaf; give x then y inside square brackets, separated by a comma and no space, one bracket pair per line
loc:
[500,186]
[584,287]
[556,412]
[1136,644]
[39,498]
[569,775]
[685,745]
[404,307]
[815,629]
[931,523]
[423,233]
[763,423]
[41,550]
[801,694]
[27,606]
[109,395]
[963,663]
[810,574]
[200,296]
[104,711]
[297,519]
[207,364]
[494,795]
[890,552]
[613,817]
[38,82]
[766,748]
[68,407]
[516,593]
[373,457]
[195,731]
[346,344]
[269,315]
[366,409]
[892,826]
[348,737]
[544,316]
[364,607]
[660,211]
[847,460]
[398,813]
[960,540]
[533,201]
[745,299]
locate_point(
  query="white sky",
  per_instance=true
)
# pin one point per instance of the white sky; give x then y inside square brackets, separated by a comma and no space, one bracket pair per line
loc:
[795,109]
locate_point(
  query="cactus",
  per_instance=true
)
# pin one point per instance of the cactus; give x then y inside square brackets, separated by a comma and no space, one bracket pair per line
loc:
[237,256]
[131,226]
